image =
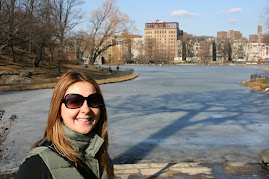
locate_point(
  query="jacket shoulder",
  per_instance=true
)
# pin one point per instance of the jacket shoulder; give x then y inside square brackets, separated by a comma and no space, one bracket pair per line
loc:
[58,166]
[33,167]
[35,151]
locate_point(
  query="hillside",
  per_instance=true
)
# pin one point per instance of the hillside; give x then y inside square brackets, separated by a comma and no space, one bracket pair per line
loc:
[23,72]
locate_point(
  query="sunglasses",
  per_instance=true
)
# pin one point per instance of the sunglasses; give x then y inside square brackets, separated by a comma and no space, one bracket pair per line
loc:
[74,101]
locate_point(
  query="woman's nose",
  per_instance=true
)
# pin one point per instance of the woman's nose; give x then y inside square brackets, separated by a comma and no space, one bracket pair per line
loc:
[85,108]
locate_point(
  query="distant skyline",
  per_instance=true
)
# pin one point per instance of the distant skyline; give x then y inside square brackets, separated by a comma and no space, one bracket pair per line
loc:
[196,17]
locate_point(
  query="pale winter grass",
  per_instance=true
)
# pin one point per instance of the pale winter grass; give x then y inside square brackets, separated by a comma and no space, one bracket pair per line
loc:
[257,85]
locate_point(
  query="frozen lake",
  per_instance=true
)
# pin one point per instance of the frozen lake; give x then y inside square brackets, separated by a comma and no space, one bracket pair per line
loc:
[167,114]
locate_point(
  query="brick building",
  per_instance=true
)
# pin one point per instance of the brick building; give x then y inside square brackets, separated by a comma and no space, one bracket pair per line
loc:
[221,35]
[253,38]
[259,37]
[161,41]
[230,34]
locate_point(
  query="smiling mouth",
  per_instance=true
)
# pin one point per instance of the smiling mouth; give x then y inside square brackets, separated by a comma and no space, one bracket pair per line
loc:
[84,120]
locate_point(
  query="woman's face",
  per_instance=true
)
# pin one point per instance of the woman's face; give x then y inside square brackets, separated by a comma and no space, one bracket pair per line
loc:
[81,120]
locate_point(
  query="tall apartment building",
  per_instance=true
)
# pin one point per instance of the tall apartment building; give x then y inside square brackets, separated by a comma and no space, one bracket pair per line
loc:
[186,36]
[259,37]
[253,38]
[259,29]
[230,34]
[221,35]
[161,40]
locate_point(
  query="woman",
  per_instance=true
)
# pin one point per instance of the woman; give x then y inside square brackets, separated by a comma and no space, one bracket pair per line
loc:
[75,143]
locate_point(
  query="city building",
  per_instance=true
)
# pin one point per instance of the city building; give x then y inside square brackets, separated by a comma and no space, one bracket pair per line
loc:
[230,34]
[161,41]
[221,35]
[259,37]
[259,29]
[229,46]
[128,44]
[122,52]
[253,38]
[256,38]
[138,50]
[234,35]
[256,52]
[257,48]
[195,49]
[238,48]
[186,36]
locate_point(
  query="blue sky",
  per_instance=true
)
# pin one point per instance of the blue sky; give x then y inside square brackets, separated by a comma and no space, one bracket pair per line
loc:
[197,17]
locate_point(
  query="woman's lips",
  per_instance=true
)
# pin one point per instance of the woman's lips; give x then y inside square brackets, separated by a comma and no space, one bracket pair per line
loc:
[84,119]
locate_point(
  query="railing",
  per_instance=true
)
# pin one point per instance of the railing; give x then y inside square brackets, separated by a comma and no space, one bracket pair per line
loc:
[259,76]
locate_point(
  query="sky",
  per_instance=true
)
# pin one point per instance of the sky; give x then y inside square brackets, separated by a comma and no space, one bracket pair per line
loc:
[197,17]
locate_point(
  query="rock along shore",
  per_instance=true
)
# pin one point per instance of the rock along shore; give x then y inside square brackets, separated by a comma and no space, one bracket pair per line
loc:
[182,170]
[191,170]
[21,87]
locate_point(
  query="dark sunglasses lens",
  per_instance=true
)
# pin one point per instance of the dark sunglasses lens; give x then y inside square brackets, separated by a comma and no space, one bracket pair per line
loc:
[94,100]
[73,101]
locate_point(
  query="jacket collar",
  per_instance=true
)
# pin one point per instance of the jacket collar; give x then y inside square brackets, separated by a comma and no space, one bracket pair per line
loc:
[85,144]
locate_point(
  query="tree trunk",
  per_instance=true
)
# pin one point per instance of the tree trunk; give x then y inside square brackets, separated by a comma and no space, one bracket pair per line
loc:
[12,19]
[40,53]
[12,50]
[38,59]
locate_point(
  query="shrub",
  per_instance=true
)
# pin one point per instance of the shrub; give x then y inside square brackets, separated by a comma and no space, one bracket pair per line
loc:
[5,126]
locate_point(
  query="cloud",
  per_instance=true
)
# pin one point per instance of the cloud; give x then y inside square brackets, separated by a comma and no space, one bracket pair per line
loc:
[232,21]
[184,13]
[232,10]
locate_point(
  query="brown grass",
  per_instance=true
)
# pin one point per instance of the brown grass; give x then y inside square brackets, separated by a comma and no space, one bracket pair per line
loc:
[257,85]
[44,76]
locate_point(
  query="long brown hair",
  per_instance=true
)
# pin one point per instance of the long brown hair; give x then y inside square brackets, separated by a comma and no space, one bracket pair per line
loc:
[54,131]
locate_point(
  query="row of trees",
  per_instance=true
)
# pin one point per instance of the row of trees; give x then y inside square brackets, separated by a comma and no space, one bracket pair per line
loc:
[196,48]
[44,27]
[203,49]
[207,49]
[159,55]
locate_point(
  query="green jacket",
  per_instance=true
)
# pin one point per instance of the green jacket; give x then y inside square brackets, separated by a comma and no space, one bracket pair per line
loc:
[86,145]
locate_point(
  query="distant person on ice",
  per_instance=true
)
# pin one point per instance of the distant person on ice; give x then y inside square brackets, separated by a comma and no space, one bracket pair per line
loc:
[75,143]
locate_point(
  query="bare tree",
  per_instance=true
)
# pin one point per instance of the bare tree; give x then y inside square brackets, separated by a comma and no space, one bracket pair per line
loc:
[82,42]
[117,55]
[223,50]
[150,46]
[189,49]
[181,47]
[43,30]
[127,46]
[37,25]
[266,15]
[205,50]
[265,39]
[170,54]
[105,24]
[11,20]
[138,51]
[238,49]
[24,24]
[66,17]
